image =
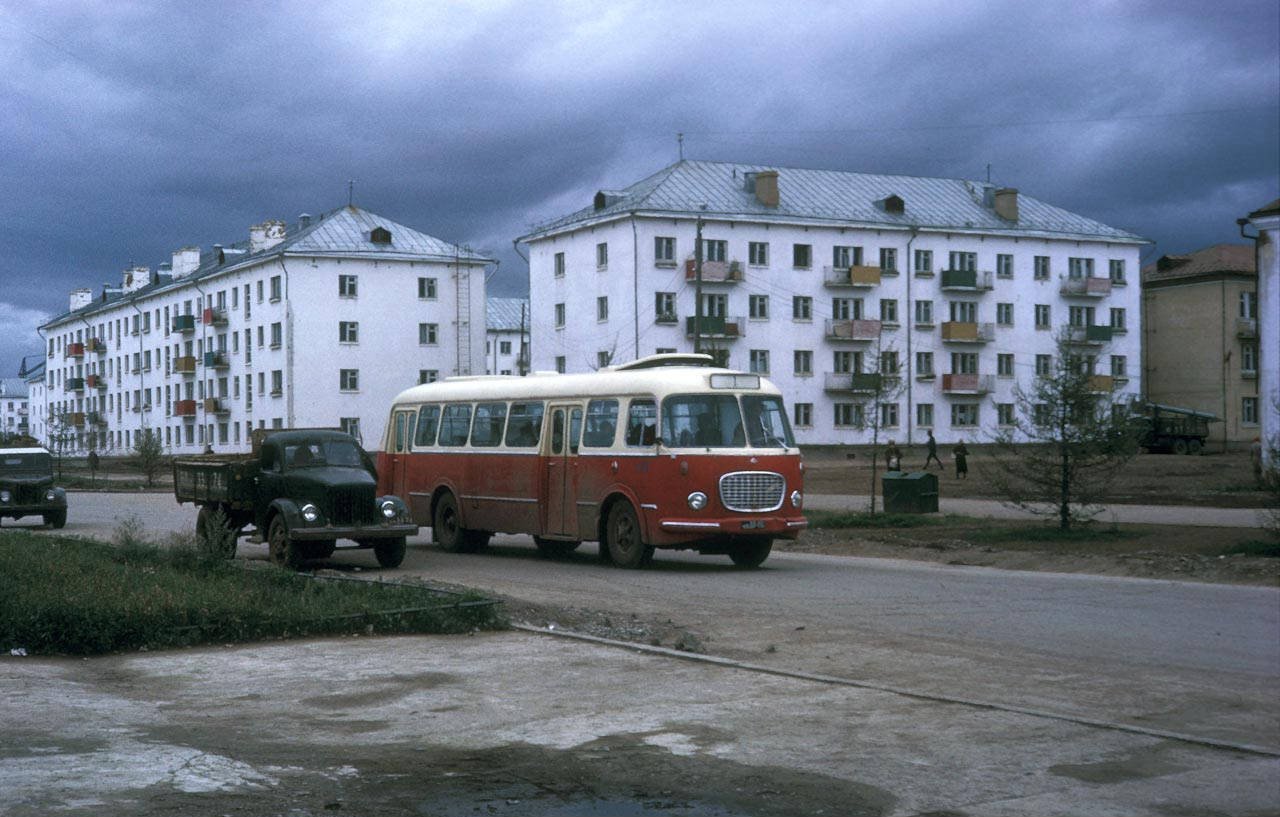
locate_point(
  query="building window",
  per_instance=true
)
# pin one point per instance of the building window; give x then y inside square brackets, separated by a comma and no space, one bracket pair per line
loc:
[277,382]
[1117,319]
[428,334]
[664,306]
[888,415]
[1249,304]
[888,260]
[924,415]
[1042,267]
[1004,265]
[1004,414]
[1043,316]
[1044,365]
[603,358]
[348,332]
[428,375]
[846,309]
[277,335]
[758,253]
[965,261]
[602,308]
[889,310]
[560,364]
[759,361]
[275,287]
[759,306]
[802,308]
[715,250]
[351,425]
[802,414]
[1118,366]
[964,415]
[1080,316]
[1080,267]
[889,362]
[924,313]
[964,362]
[963,311]
[1249,410]
[602,255]
[803,362]
[1117,270]
[846,362]
[802,255]
[348,379]
[845,257]
[848,414]
[924,262]
[1004,364]
[346,287]
[426,289]
[664,251]
[504,347]
[1004,314]
[924,364]
[559,265]
[559,316]
[1249,359]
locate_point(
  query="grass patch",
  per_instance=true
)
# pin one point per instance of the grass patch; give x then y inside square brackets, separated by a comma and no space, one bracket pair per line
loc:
[1255,547]
[1049,534]
[73,596]
[819,520]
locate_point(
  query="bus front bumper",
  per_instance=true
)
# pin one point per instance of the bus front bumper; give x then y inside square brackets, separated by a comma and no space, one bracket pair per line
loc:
[776,526]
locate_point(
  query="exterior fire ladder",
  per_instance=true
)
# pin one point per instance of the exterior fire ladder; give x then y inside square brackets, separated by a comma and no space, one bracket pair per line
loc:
[462,322]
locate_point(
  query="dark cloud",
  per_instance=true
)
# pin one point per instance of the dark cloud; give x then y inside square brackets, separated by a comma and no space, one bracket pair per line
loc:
[133,129]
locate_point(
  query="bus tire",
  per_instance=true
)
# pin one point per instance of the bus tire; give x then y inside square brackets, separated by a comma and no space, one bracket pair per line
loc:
[446,529]
[1180,446]
[284,551]
[554,548]
[623,539]
[389,552]
[751,554]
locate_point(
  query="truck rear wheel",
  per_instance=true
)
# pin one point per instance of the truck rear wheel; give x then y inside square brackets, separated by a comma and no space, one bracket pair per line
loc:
[1194,446]
[389,552]
[1180,446]
[284,551]
[219,539]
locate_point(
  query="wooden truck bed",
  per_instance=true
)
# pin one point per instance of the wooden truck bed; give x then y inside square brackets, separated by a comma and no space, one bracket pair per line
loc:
[215,479]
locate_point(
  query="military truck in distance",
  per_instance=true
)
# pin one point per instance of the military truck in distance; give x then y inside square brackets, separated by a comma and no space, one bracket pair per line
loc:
[302,490]
[1169,428]
[27,489]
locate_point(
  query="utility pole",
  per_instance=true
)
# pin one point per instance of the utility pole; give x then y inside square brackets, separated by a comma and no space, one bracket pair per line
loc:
[697,288]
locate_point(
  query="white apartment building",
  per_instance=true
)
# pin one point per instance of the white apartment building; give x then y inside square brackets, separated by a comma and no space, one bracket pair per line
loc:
[953,289]
[320,323]
[14,411]
[1266,220]
[506,345]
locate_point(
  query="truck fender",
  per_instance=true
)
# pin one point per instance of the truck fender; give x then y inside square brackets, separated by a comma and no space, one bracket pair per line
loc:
[59,494]
[289,509]
[402,510]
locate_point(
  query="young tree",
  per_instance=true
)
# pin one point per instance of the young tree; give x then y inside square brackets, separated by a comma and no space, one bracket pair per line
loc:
[1066,443]
[884,385]
[148,454]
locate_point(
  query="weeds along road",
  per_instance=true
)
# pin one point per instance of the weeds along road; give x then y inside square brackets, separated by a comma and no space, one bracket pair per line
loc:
[1197,660]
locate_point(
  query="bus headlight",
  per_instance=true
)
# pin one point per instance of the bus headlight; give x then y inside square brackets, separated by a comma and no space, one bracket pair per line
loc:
[310,513]
[697,500]
[797,499]
[389,509]
[5,496]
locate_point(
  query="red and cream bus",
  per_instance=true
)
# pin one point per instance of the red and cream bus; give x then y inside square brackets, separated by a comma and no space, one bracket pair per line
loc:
[664,452]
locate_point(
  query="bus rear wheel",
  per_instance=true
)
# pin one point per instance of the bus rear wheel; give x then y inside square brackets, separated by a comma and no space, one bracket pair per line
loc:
[751,554]
[623,540]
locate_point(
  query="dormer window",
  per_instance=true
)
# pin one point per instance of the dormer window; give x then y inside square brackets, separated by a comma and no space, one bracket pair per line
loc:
[380,235]
[892,204]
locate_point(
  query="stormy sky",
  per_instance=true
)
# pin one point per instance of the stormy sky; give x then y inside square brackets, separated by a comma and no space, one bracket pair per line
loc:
[129,129]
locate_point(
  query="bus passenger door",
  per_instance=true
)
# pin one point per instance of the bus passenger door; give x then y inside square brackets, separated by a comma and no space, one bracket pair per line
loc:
[400,442]
[561,464]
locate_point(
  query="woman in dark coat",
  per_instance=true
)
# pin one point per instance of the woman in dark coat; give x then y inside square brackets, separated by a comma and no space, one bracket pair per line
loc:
[962,463]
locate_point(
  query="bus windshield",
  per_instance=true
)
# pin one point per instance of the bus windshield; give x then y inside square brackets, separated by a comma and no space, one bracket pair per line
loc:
[716,421]
[766,422]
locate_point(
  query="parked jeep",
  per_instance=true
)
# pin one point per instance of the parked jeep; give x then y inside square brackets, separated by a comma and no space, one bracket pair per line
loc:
[27,489]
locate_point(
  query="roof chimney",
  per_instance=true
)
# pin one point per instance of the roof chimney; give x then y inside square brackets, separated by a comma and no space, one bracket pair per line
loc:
[80,298]
[304,220]
[185,261]
[135,278]
[766,182]
[1006,203]
[266,235]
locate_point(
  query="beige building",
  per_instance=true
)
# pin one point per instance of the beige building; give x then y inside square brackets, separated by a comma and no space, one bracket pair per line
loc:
[1200,338]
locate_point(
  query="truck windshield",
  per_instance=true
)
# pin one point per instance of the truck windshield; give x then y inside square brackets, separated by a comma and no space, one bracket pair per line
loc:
[321,453]
[26,462]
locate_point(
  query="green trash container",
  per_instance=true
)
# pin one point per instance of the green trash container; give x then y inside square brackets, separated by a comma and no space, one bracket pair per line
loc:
[910,492]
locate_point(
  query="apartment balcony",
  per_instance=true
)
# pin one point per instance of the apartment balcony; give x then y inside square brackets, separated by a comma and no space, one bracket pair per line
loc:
[216,405]
[95,418]
[95,346]
[75,384]
[714,272]
[74,350]
[214,317]
[715,327]
[95,381]
[185,409]
[1247,328]
[185,324]
[854,330]
[965,280]
[861,382]
[667,319]
[967,383]
[216,360]
[1102,383]
[1086,287]
[1089,335]
[75,419]
[855,276]
[967,332]
[185,365]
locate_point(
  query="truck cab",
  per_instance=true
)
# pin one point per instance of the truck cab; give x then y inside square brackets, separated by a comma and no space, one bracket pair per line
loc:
[27,489]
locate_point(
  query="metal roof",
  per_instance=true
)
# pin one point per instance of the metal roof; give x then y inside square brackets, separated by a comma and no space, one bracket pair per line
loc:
[507,314]
[342,232]
[13,387]
[1220,259]
[832,197]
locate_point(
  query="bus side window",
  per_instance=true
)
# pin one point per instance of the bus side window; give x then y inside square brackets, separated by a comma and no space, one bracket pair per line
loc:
[490,422]
[602,424]
[399,443]
[642,418]
[575,429]
[557,432]
[524,428]
[455,424]
[428,421]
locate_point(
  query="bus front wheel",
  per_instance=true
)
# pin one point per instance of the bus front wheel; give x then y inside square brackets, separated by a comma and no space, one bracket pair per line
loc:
[622,538]
[445,526]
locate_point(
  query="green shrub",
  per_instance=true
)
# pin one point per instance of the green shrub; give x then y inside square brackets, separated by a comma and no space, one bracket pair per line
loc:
[1254,547]
[833,519]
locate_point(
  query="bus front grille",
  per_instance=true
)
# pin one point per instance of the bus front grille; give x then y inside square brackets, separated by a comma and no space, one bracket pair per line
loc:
[752,490]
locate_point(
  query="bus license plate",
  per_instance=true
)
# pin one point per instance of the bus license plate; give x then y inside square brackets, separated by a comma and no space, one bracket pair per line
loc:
[753,524]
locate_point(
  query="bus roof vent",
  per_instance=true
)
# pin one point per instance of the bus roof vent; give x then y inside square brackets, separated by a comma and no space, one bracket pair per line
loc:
[669,359]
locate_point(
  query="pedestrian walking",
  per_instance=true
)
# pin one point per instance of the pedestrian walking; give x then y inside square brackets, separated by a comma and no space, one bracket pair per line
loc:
[893,457]
[962,460]
[932,447]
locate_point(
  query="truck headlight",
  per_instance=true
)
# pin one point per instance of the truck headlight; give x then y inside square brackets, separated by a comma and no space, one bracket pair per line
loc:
[388,509]
[50,495]
[5,496]
[310,513]
[797,499]
[697,500]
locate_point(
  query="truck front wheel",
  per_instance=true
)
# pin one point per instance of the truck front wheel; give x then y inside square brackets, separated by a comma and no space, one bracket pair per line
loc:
[284,551]
[56,519]
[389,552]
